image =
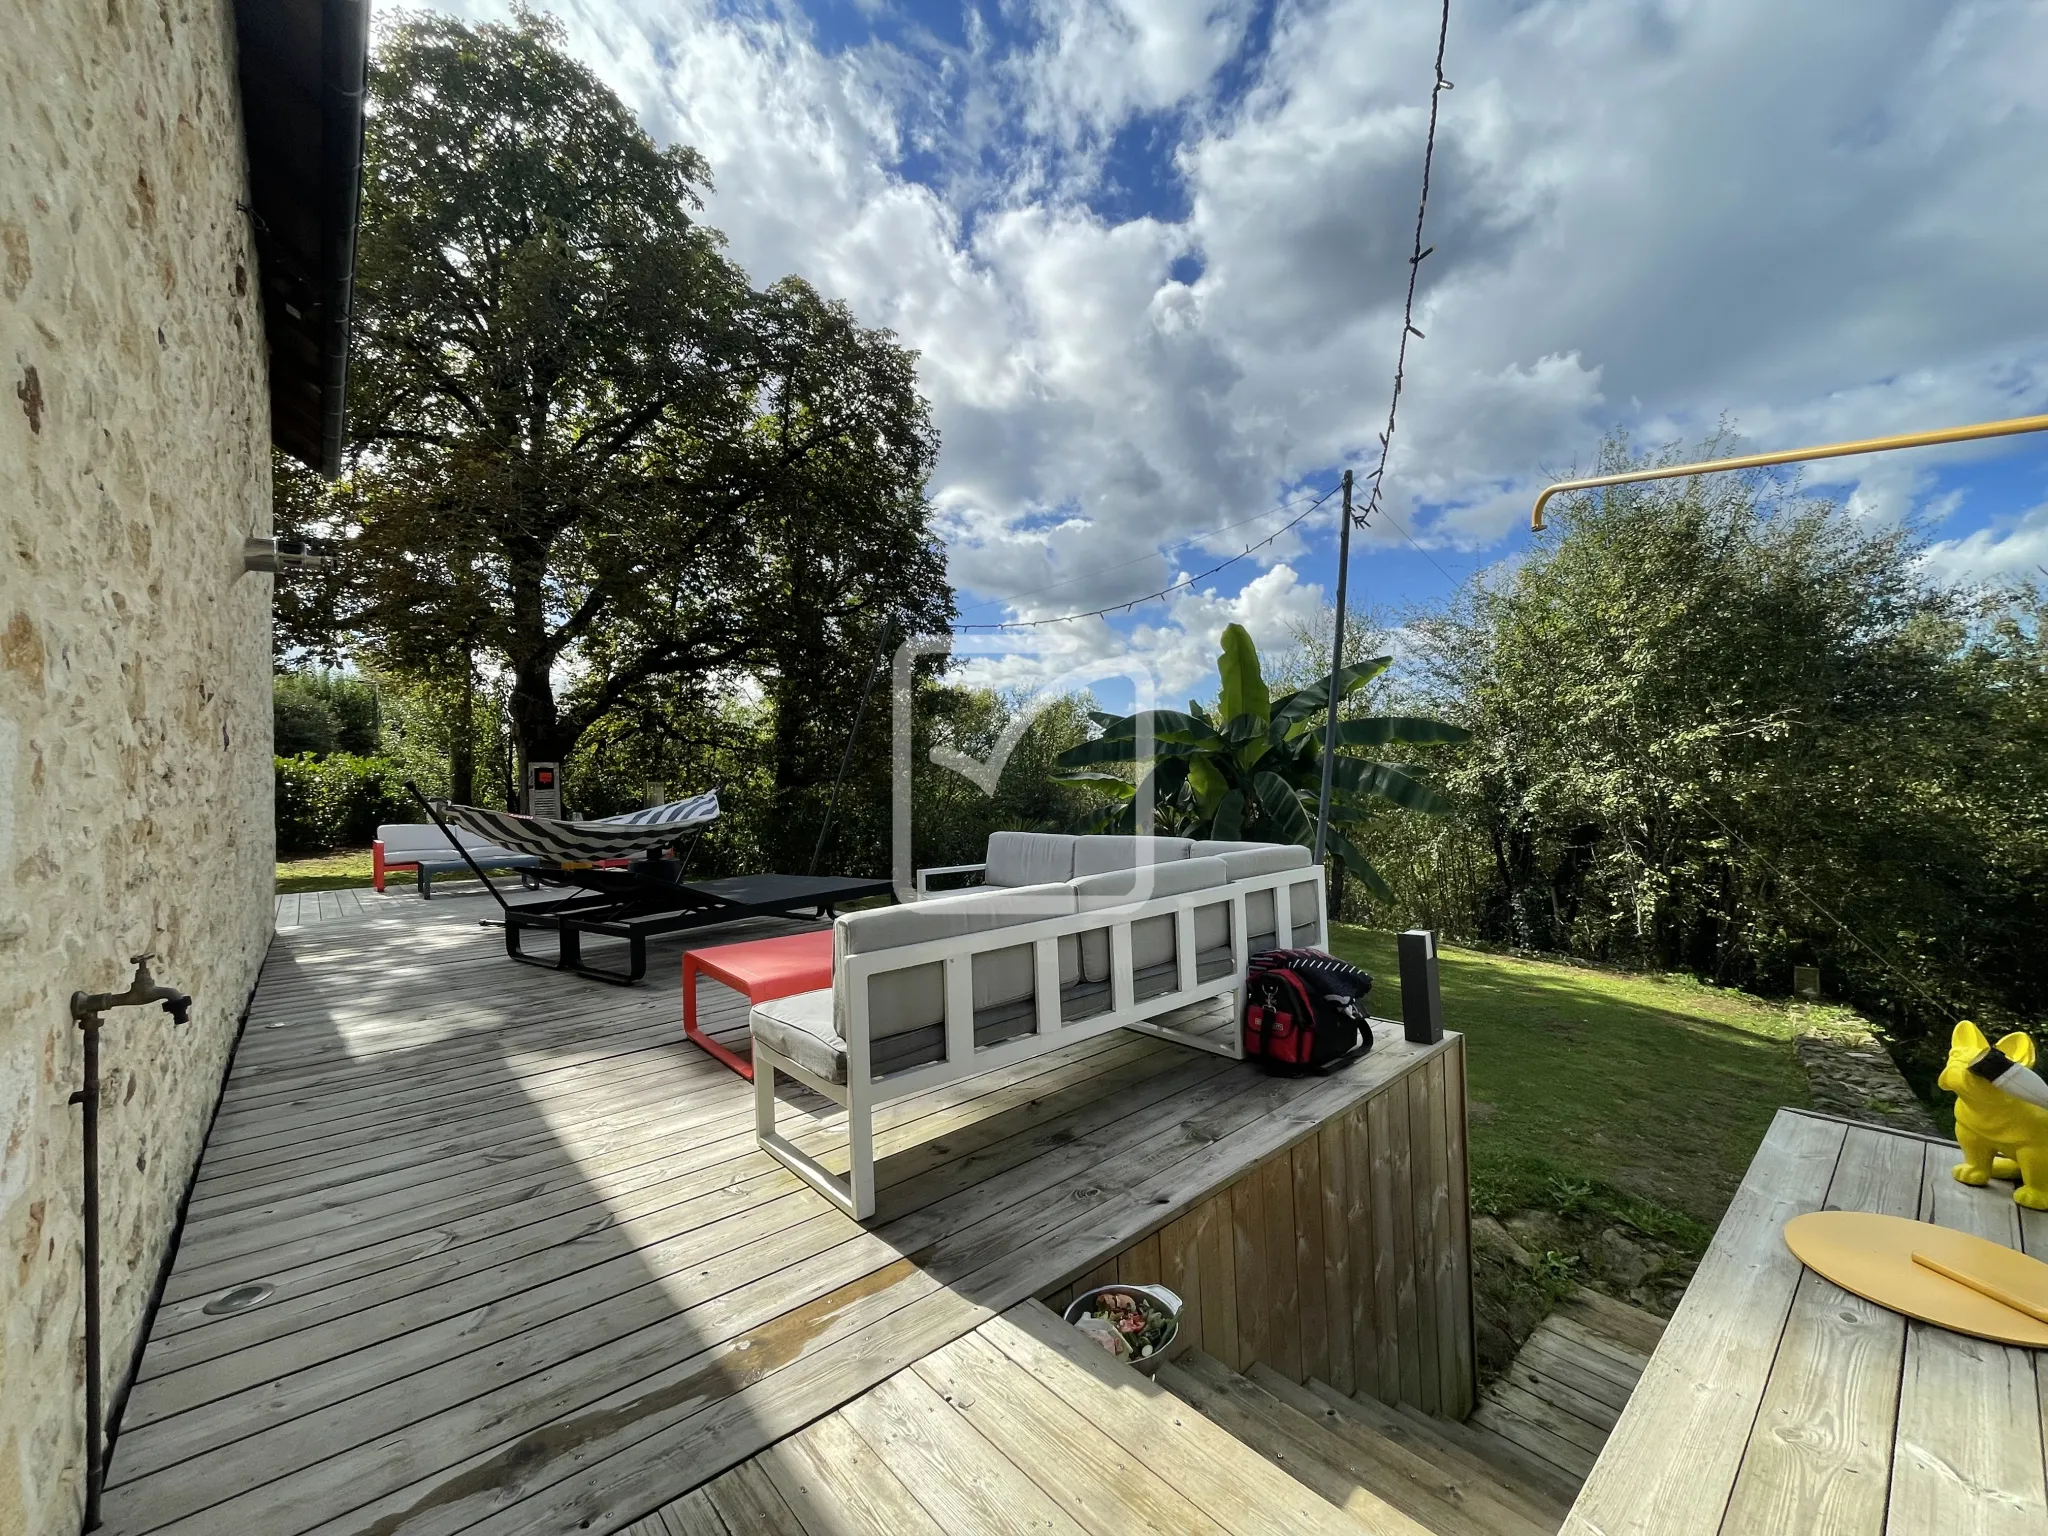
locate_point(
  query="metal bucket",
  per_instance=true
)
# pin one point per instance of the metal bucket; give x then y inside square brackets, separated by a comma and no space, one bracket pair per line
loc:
[1172,1304]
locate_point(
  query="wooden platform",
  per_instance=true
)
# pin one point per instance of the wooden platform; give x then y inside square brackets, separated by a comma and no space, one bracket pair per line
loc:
[1778,1403]
[519,1266]
[1017,1427]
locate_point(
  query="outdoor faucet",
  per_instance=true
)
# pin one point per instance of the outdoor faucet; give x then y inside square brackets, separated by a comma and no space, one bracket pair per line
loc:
[86,1008]
[143,989]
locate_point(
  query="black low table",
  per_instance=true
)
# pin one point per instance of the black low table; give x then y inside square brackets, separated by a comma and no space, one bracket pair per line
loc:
[636,904]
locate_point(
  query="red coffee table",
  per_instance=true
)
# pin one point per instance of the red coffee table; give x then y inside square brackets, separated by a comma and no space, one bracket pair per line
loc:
[760,969]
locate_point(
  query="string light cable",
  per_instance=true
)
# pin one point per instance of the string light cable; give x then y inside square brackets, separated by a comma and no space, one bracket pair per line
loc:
[1420,253]
[1152,597]
[1054,586]
[1377,477]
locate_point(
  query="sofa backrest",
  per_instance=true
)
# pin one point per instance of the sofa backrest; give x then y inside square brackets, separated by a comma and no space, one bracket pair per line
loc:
[1099,854]
[1029,858]
[915,997]
[1244,861]
[1122,887]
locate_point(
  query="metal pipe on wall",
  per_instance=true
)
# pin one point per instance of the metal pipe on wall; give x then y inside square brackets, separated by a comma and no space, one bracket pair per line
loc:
[1975,431]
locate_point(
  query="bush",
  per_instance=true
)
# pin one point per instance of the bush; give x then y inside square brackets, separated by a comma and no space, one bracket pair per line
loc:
[323,712]
[337,801]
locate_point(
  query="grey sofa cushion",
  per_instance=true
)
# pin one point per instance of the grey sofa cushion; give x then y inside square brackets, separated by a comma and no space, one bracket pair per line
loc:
[1301,908]
[1246,863]
[1259,921]
[1122,887]
[900,1002]
[1029,858]
[1212,926]
[1095,855]
[800,1030]
[948,917]
[1152,938]
[1003,976]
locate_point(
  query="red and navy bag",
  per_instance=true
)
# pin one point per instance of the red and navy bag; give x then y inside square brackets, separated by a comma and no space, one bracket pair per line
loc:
[1304,1010]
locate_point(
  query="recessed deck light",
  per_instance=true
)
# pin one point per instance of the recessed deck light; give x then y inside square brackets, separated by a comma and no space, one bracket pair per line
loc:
[240,1299]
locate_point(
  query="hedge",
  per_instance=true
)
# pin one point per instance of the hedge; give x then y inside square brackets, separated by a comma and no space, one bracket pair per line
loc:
[338,800]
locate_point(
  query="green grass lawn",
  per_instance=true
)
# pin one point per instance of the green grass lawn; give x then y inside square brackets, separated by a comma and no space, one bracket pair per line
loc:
[324,871]
[1658,1087]
[1612,1116]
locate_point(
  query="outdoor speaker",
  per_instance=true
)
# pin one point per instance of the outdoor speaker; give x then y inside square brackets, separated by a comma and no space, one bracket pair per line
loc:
[1422,1005]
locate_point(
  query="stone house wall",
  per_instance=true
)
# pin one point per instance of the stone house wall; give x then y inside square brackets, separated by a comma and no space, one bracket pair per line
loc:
[135,779]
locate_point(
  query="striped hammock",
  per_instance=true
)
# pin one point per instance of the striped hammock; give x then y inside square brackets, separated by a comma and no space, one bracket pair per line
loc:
[584,842]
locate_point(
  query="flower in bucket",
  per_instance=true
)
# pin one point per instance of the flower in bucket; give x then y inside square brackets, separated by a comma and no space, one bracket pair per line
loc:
[1128,1325]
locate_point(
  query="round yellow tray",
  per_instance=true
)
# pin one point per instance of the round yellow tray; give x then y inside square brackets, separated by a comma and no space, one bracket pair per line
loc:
[1873,1256]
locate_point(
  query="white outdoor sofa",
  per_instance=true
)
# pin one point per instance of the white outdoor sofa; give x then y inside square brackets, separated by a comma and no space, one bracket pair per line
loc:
[1066,938]
[422,846]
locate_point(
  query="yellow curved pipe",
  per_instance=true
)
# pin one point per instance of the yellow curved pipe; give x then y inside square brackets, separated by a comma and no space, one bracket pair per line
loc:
[2008,428]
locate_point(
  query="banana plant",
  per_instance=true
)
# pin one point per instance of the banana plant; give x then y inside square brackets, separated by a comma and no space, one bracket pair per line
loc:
[1252,768]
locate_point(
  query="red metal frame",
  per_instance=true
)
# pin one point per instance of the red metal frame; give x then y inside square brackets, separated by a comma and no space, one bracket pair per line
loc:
[759,970]
[380,866]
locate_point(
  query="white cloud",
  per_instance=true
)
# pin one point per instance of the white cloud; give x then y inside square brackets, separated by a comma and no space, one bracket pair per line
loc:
[1813,221]
[2015,549]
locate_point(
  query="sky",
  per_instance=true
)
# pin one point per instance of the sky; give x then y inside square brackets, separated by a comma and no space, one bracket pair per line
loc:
[1152,254]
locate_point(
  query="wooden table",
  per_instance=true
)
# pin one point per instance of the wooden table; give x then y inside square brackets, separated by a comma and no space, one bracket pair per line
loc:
[1778,1402]
[760,970]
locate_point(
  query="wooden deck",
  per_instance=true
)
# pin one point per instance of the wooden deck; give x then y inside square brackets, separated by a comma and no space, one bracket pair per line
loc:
[1777,1402]
[298,909]
[525,1270]
[1016,1427]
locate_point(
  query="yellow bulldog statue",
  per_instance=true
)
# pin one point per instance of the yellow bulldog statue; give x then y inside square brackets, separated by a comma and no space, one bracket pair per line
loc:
[2001,1112]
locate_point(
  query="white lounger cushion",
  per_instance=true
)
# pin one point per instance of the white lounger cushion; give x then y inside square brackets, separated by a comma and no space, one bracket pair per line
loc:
[1095,855]
[406,841]
[1029,858]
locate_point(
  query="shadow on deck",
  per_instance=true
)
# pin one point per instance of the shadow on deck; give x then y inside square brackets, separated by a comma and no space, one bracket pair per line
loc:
[476,1246]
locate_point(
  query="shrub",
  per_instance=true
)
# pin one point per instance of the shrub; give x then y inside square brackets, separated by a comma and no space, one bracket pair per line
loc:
[323,712]
[337,801]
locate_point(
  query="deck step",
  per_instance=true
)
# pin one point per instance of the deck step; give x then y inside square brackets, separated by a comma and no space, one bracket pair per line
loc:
[1342,1457]
[1559,1400]
[1514,1465]
[1539,1497]
[1020,1426]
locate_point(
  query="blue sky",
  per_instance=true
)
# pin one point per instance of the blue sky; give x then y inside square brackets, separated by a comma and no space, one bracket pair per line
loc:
[1151,253]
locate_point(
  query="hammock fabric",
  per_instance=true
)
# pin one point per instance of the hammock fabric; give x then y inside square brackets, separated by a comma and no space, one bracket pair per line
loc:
[573,842]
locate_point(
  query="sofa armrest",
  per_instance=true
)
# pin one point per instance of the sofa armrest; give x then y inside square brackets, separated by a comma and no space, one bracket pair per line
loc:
[924,876]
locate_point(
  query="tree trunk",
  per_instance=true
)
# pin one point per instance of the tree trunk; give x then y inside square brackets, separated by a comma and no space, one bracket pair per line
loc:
[462,741]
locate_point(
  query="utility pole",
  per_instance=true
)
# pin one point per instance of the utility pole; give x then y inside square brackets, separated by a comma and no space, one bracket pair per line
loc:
[1336,667]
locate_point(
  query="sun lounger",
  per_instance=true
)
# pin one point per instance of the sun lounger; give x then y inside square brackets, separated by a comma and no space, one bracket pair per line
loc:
[630,874]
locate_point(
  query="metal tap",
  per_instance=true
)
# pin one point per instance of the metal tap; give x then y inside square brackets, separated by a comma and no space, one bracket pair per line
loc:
[86,1008]
[143,989]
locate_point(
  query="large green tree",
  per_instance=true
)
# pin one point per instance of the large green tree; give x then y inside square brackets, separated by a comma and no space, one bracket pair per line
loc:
[587,453]
[1722,726]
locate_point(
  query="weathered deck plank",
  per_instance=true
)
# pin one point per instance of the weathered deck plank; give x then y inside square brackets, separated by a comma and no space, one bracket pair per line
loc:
[530,1272]
[1776,1403]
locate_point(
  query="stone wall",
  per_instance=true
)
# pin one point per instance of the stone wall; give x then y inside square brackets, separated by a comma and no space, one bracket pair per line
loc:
[134,661]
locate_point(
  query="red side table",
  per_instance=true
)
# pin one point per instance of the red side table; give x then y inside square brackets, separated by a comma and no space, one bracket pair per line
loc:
[760,969]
